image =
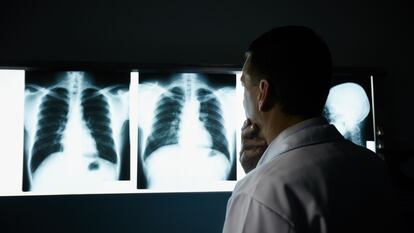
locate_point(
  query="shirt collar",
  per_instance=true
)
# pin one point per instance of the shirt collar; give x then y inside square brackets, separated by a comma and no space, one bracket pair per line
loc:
[307,132]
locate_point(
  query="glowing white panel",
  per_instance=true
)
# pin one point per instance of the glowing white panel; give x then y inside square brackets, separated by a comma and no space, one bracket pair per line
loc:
[187,137]
[73,170]
[371,145]
[75,131]
[11,133]
[240,120]
[347,107]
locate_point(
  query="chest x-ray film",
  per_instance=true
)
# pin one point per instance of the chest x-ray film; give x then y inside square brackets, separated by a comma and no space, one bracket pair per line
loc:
[349,107]
[76,133]
[186,137]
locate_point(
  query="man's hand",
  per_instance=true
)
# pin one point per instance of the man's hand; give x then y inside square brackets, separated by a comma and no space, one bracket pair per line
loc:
[253,146]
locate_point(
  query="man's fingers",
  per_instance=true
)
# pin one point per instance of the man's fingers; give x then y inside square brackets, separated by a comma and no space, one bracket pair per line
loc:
[253,152]
[249,158]
[250,131]
[246,123]
[253,146]
[248,144]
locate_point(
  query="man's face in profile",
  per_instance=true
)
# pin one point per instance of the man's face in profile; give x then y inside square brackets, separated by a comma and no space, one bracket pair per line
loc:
[250,92]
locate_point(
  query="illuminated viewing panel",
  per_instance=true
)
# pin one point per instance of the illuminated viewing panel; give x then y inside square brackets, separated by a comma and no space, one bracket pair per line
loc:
[87,132]
[186,130]
[348,107]
[76,130]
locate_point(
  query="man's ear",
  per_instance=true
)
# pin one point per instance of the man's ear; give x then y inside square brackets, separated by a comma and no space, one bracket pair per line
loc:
[265,102]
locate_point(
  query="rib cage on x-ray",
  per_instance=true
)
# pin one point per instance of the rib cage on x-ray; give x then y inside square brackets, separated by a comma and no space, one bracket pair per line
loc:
[165,128]
[75,131]
[97,116]
[167,120]
[168,114]
[53,115]
[187,138]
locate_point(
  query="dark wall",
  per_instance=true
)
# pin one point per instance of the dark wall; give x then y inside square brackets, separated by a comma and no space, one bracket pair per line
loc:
[360,33]
[143,213]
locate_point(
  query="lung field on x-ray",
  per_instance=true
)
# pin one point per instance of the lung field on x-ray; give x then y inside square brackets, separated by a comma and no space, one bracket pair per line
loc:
[76,130]
[186,135]
[53,116]
[96,112]
[212,117]
[167,120]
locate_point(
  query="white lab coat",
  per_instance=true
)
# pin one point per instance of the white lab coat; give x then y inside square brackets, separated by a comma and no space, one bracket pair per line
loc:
[310,179]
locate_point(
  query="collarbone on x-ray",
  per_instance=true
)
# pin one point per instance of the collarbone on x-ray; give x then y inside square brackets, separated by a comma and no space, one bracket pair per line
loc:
[74,133]
[188,140]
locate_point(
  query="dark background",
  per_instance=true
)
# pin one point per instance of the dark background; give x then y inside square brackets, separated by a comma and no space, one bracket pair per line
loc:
[360,34]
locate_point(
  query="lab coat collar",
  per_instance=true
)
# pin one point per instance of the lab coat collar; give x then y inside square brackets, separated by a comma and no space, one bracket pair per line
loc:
[308,132]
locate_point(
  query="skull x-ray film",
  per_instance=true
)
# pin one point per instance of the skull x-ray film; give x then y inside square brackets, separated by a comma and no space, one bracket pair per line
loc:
[76,130]
[186,136]
[349,108]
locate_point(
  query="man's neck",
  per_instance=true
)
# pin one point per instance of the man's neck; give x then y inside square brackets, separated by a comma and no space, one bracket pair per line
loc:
[276,122]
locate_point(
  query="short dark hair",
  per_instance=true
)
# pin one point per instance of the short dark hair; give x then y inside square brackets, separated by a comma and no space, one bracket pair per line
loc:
[297,64]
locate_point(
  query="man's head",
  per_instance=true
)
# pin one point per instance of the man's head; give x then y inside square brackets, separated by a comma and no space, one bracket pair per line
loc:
[289,69]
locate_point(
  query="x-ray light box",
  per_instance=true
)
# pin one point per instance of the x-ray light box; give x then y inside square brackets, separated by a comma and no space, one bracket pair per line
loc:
[84,132]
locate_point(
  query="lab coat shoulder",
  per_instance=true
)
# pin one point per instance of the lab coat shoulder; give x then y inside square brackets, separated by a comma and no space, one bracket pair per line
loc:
[250,215]
[298,185]
[288,183]
[319,183]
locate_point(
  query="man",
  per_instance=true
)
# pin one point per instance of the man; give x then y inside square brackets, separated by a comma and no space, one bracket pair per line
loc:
[309,178]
